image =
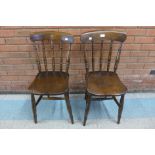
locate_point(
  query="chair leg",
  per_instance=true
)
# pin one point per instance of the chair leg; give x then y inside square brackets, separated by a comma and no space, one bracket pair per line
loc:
[34,108]
[87,109]
[86,95]
[69,107]
[120,109]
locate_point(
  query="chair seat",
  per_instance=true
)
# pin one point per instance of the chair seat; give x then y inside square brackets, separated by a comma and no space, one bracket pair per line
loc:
[51,82]
[104,83]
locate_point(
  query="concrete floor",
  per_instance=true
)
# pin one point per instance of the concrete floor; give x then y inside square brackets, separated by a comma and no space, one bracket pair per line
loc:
[139,112]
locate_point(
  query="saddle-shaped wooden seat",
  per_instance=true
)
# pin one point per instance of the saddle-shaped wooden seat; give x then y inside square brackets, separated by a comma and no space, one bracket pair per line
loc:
[105,83]
[50,83]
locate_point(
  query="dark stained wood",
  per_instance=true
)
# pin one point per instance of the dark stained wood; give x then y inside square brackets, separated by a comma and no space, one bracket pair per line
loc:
[68,59]
[44,56]
[69,106]
[103,84]
[120,109]
[88,101]
[53,58]
[97,36]
[117,58]
[109,56]
[34,108]
[61,57]
[55,36]
[101,55]
[85,60]
[50,81]
[93,61]
[35,46]
[40,97]
[53,98]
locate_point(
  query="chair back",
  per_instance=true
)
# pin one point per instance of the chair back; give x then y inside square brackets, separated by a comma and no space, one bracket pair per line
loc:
[49,48]
[102,50]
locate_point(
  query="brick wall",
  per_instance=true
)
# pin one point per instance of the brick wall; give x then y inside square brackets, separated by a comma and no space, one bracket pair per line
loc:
[137,59]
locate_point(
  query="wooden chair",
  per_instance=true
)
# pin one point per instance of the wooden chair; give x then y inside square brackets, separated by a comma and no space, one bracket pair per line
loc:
[102,50]
[51,80]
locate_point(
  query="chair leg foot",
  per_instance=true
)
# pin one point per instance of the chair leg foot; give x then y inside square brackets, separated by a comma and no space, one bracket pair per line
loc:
[120,109]
[69,107]
[87,109]
[34,108]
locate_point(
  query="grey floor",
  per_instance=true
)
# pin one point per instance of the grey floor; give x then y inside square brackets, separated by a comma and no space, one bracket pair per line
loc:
[139,112]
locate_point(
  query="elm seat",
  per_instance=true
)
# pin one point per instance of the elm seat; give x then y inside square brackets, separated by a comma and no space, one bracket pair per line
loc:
[50,83]
[105,83]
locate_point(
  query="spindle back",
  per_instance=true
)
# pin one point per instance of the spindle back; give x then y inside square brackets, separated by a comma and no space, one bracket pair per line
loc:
[49,47]
[107,44]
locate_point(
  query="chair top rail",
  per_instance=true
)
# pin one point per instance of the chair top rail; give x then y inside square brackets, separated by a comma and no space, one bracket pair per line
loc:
[98,36]
[56,37]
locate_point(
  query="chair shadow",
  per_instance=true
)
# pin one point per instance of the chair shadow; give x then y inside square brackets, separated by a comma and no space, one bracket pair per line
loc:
[98,110]
[56,110]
